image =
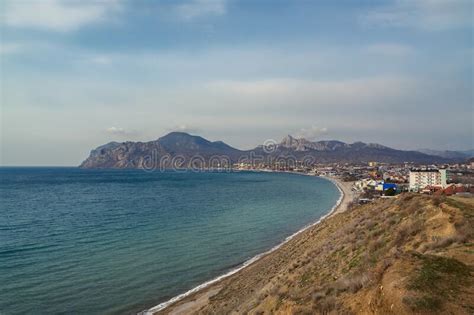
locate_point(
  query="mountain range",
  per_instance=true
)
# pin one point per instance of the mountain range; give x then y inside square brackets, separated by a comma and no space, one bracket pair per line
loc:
[179,148]
[461,155]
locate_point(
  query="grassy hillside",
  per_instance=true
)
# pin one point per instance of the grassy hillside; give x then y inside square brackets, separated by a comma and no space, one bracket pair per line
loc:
[412,254]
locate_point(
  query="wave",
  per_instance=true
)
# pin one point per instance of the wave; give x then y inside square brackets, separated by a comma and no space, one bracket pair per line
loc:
[248,262]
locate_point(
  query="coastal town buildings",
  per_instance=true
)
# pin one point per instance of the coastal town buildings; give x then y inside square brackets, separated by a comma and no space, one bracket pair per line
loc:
[385,179]
[420,178]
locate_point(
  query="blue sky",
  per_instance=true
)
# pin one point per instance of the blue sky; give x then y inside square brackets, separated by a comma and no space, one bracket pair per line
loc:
[77,74]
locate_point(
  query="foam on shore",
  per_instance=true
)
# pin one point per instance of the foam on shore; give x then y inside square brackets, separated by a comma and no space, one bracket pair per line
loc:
[250,261]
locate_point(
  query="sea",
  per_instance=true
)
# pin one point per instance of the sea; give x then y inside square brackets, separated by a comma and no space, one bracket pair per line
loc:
[80,241]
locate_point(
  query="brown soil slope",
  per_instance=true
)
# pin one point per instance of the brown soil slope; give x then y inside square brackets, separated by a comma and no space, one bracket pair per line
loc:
[412,254]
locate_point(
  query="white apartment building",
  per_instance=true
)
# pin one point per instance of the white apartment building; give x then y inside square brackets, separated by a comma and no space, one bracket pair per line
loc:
[422,177]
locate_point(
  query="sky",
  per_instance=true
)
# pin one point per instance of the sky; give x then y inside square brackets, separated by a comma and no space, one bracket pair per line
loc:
[78,74]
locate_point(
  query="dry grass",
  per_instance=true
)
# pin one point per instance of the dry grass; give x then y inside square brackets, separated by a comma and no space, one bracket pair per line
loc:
[436,279]
[379,258]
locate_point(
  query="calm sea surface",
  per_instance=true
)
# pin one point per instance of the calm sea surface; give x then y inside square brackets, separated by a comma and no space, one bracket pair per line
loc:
[78,241]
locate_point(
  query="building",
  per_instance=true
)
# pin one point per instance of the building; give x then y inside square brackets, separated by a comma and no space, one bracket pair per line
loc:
[454,189]
[387,186]
[382,186]
[423,177]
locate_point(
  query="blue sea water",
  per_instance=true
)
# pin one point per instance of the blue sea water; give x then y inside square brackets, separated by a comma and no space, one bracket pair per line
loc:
[76,241]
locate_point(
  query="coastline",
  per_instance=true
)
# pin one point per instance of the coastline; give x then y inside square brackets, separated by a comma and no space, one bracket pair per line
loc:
[198,296]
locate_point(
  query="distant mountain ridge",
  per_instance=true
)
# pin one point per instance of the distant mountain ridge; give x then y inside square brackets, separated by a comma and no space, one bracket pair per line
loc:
[333,151]
[190,148]
[449,154]
[301,144]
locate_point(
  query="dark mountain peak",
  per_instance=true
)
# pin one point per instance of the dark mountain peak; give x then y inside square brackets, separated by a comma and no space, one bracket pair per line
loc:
[178,135]
[376,146]
[300,144]
[105,147]
[177,139]
[136,154]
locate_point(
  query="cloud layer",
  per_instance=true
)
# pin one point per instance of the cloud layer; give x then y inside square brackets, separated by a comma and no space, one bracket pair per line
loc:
[430,15]
[312,133]
[78,74]
[200,8]
[57,15]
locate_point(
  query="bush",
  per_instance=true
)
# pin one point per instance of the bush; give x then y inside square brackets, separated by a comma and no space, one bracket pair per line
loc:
[352,283]
[426,302]
[326,305]
[318,296]
[438,200]
[374,245]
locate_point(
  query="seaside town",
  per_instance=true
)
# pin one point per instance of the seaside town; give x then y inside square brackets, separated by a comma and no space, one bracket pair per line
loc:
[233,157]
[375,180]
[424,223]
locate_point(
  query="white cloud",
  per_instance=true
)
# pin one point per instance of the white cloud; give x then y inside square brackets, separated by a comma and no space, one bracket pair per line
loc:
[390,49]
[198,8]
[10,48]
[184,128]
[423,14]
[311,133]
[56,15]
[243,113]
[101,60]
[117,131]
[288,95]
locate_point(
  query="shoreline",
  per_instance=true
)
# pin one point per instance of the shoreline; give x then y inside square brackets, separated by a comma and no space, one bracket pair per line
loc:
[346,196]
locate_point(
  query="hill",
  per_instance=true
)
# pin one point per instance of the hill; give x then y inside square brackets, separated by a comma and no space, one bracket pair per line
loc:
[458,155]
[178,145]
[409,255]
[333,151]
[184,150]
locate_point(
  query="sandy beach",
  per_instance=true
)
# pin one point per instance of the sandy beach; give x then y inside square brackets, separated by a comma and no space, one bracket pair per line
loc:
[348,194]
[350,264]
[197,300]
